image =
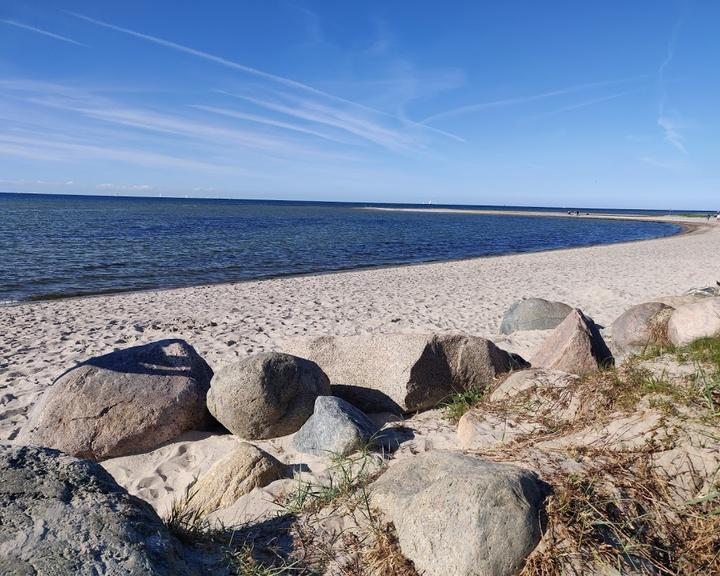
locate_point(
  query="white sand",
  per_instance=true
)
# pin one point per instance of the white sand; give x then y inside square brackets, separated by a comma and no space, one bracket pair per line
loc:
[40,340]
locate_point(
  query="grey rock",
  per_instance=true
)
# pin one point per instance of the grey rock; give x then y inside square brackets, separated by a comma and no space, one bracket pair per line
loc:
[404,372]
[266,395]
[707,292]
[533,314]
[125,402]
[457,515]
[336,427]
[62,516]
[695,321]
[575,346]
[640,326]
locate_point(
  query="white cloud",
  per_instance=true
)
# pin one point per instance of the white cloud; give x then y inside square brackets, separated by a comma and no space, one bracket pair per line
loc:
[501,103]
[672,134]
[652,161]
[591,102]
[268,121]
[669,126]
[43,32]
[274,78]
[125,187]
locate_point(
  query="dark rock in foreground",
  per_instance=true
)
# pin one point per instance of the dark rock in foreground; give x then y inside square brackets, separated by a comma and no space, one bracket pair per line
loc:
[125,402]
[61,516]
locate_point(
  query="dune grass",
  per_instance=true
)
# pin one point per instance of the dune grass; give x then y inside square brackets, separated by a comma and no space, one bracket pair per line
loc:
[370,546]
[457,404]
[227,547]
[622,516]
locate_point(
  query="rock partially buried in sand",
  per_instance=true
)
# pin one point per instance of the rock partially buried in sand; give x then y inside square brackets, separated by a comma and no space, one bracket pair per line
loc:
[546,396]
[707,292]
[533,314]
[532,380]
[690,296]
[457,515]
[125,402]
[404,372]
[63,516]
[480,430]
[335,428]
[694,321]
[266,395]
[640,326]
[575,346]
[233,476]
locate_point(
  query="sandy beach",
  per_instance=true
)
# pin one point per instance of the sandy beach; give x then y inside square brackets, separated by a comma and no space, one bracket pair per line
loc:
[223,322]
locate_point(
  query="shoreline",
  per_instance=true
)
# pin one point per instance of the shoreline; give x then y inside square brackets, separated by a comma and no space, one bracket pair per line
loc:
[228,321]
[668,218]
[687,226]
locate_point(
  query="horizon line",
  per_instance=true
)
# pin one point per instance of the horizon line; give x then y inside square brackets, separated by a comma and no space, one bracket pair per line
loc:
[428,205]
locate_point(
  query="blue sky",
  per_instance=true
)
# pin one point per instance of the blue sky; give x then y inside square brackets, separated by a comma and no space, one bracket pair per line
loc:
[564,103]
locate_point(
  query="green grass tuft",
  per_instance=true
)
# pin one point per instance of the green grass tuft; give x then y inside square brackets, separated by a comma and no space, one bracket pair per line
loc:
[704,351]
[456,405]
[349,477]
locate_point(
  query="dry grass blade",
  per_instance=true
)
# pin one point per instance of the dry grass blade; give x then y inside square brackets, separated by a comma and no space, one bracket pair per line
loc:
[383,557]
[623,516]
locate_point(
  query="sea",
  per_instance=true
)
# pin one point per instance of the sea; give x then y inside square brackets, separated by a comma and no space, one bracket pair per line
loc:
[58,246]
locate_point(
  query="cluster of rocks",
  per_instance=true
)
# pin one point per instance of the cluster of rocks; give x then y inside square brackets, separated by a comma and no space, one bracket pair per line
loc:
[136,399]
[321,390]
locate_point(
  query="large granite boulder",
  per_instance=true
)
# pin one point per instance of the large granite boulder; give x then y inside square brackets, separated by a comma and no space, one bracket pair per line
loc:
[266,395]
[458,515]
[60,515]
[575,346]
[404,372]
[694,321]
[245,468]
[533,314]
[641,326]
[335,428]
[125,402]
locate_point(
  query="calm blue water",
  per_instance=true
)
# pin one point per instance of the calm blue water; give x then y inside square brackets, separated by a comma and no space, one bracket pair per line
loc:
[54,246]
